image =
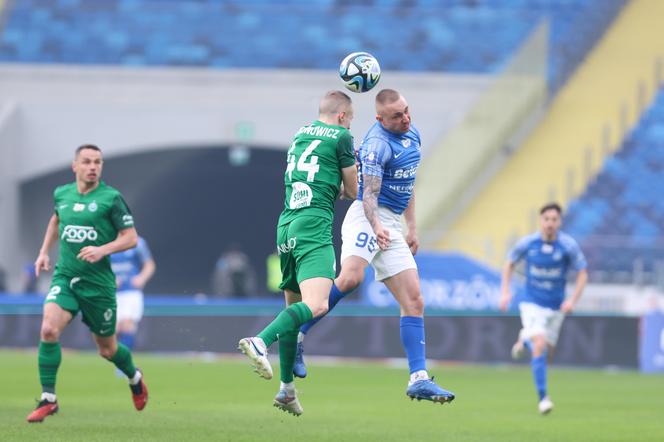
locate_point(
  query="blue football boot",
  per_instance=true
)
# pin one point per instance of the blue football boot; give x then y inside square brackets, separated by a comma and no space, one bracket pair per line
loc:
[299,369]
[428,390]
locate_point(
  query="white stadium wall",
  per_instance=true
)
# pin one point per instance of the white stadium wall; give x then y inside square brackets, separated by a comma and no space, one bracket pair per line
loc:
[50,110]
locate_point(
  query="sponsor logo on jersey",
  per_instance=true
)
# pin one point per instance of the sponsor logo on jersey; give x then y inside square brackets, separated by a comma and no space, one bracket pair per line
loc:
[79,234]
[301,196]
[287,246]
[406,173]
[128,220]
[401,189]
[79,207]
[541,272]
[92,207]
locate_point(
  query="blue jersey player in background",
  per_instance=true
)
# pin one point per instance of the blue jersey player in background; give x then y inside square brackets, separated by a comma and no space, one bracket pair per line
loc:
[133,268]
[372,234]
[548,255]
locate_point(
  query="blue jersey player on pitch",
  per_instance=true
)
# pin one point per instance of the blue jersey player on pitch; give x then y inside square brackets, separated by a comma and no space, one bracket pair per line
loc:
[133,268]
[372,234]
[548,255]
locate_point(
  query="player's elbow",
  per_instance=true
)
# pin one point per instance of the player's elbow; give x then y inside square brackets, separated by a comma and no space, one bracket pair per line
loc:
[130,238]
[351,193]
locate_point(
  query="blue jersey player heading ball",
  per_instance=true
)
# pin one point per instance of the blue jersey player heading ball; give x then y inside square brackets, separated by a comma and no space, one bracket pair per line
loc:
[548,255]
[372,234]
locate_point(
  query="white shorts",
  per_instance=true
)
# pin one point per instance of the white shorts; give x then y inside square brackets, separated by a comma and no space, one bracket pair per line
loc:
[358,239]
[130,305]
[537,320]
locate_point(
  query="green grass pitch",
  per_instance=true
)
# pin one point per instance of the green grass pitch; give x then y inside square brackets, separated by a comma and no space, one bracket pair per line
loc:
[223,400]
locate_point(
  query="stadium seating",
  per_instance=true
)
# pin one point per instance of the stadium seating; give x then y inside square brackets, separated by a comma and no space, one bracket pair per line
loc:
[448,35]
[619,220]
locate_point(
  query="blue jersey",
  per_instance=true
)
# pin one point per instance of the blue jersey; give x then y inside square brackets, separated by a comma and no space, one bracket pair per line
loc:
[395,157]
[547,264]
[129,263]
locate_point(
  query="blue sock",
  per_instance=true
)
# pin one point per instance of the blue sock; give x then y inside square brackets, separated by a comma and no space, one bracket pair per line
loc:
[538,366]
[127,339]
[335,296]
[412,339]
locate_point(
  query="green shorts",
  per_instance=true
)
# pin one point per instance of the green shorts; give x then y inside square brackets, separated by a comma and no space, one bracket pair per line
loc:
[305,251]
[97,304]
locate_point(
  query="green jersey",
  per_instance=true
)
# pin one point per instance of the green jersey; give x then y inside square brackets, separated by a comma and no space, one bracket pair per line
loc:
[313,175]
[93,219]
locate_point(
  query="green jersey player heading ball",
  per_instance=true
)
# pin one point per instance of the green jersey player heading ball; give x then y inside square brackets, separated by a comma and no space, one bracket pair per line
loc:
[320,159]
[91,221]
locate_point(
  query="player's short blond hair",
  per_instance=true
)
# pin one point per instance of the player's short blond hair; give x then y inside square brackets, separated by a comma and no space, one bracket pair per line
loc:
[334,102]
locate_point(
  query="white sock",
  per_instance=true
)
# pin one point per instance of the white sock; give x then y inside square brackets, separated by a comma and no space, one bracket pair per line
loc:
[418,376]
[136,379]
[289,387]
[48,396]
[300,337]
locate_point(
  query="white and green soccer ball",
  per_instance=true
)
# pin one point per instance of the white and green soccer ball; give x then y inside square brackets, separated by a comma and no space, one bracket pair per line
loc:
[359,71]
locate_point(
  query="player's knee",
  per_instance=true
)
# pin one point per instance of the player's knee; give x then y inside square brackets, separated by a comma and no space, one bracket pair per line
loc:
[107,352]
[350,280]
[539,345]
[319,310]
[49,333]
[414,304]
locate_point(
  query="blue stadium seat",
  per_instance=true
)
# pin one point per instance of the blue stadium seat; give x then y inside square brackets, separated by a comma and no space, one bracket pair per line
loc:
[620,217]
[433,35]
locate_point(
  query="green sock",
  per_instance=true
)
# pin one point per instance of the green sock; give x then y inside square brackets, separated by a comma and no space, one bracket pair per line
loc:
[50,356]
[122,360]
[290,319]
[287,349]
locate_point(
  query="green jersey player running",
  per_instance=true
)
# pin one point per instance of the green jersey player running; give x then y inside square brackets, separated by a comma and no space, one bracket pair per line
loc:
[319,160]
[91,221]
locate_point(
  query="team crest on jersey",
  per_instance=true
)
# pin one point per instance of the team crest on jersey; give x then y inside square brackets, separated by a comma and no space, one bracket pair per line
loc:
[92,207]
[405,142]
[78,207]
[557,256]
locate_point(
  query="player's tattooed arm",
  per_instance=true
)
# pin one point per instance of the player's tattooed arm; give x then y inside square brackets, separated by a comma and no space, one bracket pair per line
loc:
[372,185]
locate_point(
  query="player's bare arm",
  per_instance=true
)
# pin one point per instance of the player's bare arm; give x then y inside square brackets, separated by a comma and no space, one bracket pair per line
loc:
[144,275]
[43,262]
[372,185]
[506,277]
[349,182]
[411,235]
[581,280]
[126,239]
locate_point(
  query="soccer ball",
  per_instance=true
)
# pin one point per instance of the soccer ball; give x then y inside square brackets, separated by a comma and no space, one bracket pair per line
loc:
[359,71]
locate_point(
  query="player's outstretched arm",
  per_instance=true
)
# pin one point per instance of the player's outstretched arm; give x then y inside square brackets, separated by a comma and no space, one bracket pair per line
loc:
[372,185]
[505,279]
[126,239]
[349,182]
[51,236]
[411,236]
[581,280]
